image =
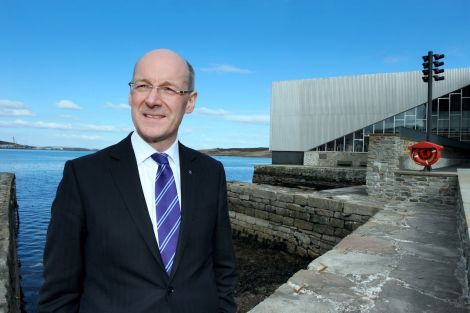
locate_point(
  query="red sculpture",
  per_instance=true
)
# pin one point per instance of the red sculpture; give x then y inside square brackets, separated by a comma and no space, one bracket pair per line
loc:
[425,153]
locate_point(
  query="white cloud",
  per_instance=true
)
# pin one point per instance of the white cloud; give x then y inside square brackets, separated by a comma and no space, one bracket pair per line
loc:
[261,118]
[13,108]
[80,137]
[68,105]
[207,111]
[119,106]
[256,118]
[63,126]
[392,59]
[225,68]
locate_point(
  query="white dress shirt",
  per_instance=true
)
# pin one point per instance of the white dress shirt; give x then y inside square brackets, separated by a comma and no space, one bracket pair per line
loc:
[148,171]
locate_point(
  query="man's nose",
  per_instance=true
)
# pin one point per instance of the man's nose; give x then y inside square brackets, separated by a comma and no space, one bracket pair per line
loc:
[153,98]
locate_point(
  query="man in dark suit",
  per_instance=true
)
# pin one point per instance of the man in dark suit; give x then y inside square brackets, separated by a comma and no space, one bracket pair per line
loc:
[143,226]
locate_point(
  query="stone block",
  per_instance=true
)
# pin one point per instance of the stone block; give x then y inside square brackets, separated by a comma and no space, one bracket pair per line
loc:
[279,204]
[261,214]
[285,197]
[341,232]
[336,223]
[330,239]
[295,207]
[361,209]
[351,225]
[327,213]
[302,224]
[289,221]
[302,215]
[275,218]
[261,222]
[303,238]
[356,218]
[264,194]
[318,219]
[324,229]
[300,199]
[259,206]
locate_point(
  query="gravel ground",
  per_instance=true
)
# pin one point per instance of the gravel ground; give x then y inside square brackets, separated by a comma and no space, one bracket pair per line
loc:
[262,270]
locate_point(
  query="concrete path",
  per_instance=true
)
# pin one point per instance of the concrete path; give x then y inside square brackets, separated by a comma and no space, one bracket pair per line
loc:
[407,258]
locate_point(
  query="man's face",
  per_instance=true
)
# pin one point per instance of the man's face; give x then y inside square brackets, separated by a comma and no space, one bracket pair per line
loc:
[156,115]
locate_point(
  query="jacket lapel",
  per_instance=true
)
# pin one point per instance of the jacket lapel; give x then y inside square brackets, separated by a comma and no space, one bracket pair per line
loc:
[187,200]
[126,178]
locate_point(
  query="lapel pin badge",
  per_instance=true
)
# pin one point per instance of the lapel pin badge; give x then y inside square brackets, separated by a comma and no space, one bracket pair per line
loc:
[190,172]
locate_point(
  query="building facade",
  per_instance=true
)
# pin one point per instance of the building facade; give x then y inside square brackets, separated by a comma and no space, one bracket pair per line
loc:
[338,114]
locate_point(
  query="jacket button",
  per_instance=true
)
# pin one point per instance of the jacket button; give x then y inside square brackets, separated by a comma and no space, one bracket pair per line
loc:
[170,290]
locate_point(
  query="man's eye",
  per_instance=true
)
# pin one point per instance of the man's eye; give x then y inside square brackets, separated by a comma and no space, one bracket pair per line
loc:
[168,90]
[143,87]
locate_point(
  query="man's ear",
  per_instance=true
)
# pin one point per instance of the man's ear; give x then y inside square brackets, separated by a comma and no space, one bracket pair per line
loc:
[191,103]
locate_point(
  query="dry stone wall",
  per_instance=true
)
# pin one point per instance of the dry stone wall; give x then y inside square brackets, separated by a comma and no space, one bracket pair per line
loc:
[309,176]
[304,222]
[10,300]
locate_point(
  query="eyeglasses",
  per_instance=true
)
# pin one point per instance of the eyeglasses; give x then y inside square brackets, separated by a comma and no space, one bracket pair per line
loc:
[163,91]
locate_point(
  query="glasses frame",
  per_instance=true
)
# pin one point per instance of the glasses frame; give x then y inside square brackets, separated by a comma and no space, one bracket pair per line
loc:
[177,92]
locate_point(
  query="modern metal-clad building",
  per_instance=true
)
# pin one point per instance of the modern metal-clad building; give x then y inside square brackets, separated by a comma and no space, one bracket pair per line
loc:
[338,114]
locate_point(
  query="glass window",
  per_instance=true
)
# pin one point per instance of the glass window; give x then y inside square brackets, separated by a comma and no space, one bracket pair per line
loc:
[410,112]
[330,146]
[434,106]
[434,124]
[466,108]
[349,143]
[454,126]
[389,125]
[366,143]
[421,111]
[466,91]
[421,125]
[368,130]
[443,127]
[358,146]
[379,127]
[400,116]
[321,148]
[455,103]
[465,135]
[358,134]
[443,108]
[399,123]
[340,144]
[410,121]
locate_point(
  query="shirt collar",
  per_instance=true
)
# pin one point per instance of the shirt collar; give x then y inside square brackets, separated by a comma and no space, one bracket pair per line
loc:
[143,150]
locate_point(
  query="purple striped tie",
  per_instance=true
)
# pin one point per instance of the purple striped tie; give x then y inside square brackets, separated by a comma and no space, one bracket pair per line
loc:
[168,210]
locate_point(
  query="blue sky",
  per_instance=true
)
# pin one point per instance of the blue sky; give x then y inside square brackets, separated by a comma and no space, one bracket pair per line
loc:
[65,65]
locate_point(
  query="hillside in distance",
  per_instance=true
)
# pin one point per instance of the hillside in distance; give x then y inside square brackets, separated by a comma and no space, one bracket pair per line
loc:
[243,152]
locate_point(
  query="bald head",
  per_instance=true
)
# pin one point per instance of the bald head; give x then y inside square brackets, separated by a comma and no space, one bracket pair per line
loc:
[167,61]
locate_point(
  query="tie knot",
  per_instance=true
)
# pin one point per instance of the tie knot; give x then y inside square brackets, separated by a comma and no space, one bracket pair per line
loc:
[160,158]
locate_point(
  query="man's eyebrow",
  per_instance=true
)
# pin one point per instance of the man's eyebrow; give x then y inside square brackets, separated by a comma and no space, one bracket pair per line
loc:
[142,80]
[168,83]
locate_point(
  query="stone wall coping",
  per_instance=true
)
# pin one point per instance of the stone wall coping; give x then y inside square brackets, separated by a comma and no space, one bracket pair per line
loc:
[311,167]
[423,173]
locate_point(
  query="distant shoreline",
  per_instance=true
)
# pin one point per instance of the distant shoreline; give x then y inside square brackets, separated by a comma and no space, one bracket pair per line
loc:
[241,152]
[261,152]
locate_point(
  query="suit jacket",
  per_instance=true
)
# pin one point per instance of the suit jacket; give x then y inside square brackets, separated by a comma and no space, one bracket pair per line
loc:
[101,253]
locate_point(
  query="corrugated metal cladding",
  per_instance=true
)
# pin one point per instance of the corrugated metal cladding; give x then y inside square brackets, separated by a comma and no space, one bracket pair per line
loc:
[307,113]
